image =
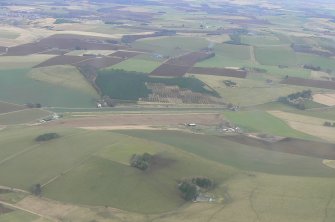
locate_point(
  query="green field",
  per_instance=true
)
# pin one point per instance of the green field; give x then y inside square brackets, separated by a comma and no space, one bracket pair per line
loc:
[16,86]
[276,55]
[20,62]
[259,121]
[240,156]
[95,171]
[249,92]
[227,55]
[138,64]
[63,76]
[261,40]
[18,216]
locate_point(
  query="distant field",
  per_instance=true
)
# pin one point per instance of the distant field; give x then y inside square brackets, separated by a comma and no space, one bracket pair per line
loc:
[261,40]
[263,122]
[17,87]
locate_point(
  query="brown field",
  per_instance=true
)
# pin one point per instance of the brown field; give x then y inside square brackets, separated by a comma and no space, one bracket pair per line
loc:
[325,99]
[179,66]
[125,54]
[290,145]
[135,120]
[220,72]
[63,42]
[100,62]
[309,82]
[190,59]
[170,70]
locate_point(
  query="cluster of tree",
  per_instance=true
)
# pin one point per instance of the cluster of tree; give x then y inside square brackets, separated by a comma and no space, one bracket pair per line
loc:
[297,99]
[141,162]
[312,67]
[36,189]
[33,105]
[47,137]
[329,124]
[229,83]
[191,188]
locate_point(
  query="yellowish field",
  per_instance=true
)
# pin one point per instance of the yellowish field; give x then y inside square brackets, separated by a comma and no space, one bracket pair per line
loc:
[67,76]
[17,62]
[325,99]
[310,125]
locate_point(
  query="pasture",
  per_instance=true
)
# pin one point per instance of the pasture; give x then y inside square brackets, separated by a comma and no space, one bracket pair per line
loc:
[16,86]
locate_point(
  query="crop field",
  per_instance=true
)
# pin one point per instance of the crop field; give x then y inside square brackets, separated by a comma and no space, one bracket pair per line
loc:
[62,42]
[309,125]
[309,82]
[219,72]
[17,87]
